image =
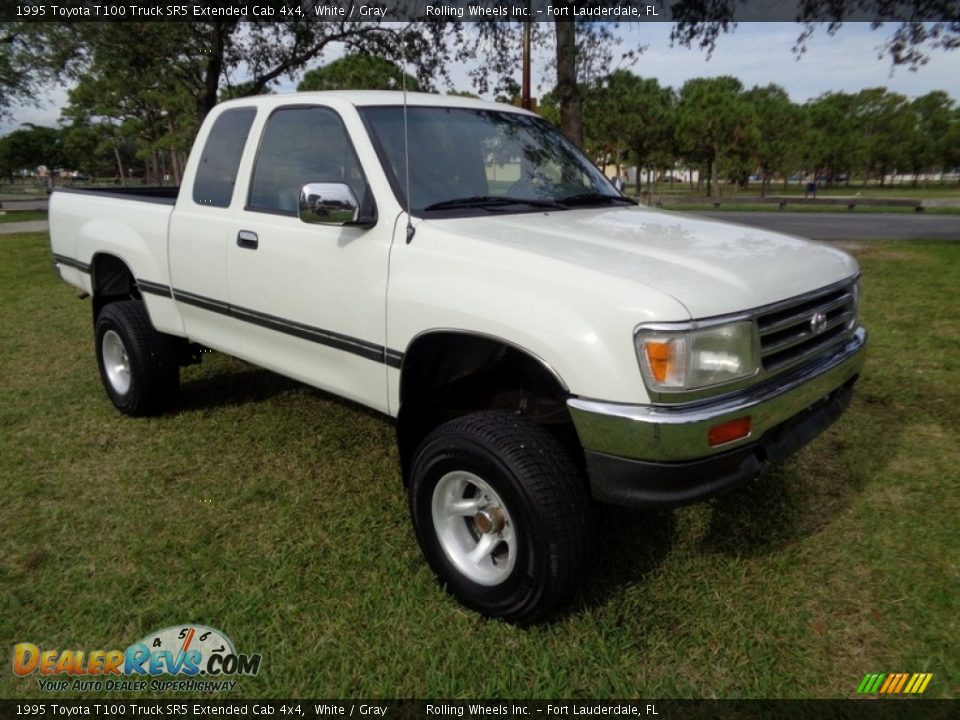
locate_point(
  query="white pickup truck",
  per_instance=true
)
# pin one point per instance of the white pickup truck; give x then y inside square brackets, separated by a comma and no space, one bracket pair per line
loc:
[458,265]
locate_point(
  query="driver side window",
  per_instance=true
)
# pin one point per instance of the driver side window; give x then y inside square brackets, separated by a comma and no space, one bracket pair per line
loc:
[299,146]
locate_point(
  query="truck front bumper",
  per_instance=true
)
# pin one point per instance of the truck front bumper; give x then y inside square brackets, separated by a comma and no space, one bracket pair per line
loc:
[657,455]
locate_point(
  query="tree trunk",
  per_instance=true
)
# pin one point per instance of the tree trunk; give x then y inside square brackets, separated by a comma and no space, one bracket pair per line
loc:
[177,168]
[568,94]
[213,68]
[163,169]
[123,174]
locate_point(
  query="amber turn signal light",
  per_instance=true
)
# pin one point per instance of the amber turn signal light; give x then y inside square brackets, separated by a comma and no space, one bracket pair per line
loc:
[729,431]
[658,355]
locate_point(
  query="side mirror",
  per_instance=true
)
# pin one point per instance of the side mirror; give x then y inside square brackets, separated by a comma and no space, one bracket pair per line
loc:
[328,204]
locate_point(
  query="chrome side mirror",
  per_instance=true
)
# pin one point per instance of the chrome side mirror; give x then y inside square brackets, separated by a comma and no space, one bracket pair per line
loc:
[328,203]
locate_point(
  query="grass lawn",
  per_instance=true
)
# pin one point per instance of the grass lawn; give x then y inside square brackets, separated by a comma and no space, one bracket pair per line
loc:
[275,513]
[872,190]
[794,208]
[22,216]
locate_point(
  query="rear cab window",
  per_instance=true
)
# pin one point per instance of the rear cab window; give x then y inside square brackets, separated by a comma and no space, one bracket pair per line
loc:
[220,160]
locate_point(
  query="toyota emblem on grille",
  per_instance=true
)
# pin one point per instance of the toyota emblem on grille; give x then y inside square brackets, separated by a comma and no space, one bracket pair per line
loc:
[818,323]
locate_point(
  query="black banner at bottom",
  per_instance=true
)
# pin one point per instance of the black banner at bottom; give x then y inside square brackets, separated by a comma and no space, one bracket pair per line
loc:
[870,709]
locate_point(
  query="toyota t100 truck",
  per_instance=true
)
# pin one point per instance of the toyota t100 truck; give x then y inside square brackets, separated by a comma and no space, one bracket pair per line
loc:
[541,340]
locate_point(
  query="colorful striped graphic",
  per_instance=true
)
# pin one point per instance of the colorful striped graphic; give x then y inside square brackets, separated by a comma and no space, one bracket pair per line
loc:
[894,683]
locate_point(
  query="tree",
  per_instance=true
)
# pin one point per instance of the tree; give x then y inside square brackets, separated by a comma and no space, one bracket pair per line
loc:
[886,125]
[358,72]
[581,53]
[834,144]
[9,167]
[129,93]
[14,83]
[568,91]
[94,151]
[779,133]
[951,143]
[22,73]
[34,146]
[208,59]
[212,60]
[715,125]
[919,25]
[625,113]
[932,114]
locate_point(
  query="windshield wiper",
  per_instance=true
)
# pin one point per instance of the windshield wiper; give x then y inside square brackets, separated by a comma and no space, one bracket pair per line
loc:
[592,198]
[492,201]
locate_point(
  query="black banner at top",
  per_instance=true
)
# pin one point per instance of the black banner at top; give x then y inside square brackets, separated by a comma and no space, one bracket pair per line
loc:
[480,10]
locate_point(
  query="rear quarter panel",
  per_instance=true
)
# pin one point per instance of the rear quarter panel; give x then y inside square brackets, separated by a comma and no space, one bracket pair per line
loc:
[135,231]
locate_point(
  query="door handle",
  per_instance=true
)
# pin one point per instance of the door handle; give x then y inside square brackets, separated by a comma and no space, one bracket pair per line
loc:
[247,240]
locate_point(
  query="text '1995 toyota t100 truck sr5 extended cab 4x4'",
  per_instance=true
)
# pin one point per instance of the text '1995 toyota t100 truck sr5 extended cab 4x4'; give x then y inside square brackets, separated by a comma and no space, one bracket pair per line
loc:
[541,340]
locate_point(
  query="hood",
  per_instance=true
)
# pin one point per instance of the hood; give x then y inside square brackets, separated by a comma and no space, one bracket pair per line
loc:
[712,268]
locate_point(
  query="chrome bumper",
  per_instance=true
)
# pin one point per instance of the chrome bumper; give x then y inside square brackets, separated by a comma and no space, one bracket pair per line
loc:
[665,434]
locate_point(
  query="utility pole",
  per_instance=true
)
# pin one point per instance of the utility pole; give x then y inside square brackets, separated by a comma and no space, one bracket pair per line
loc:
[525,102]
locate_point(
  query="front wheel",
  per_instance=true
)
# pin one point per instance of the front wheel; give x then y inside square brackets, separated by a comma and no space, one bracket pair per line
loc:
[138,365]
[502,515]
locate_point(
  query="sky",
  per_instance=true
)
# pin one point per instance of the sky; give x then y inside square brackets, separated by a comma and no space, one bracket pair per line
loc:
[756,53]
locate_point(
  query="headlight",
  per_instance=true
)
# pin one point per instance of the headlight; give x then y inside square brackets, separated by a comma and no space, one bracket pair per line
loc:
[692,358]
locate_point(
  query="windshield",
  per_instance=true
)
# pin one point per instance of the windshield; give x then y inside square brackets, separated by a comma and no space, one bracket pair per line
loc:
[466,161]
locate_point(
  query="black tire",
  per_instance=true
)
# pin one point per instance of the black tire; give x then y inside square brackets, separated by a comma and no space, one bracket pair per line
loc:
[148,380]
[546,507]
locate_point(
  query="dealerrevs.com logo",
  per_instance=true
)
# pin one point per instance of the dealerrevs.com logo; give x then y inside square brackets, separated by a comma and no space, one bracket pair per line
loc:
[182,650]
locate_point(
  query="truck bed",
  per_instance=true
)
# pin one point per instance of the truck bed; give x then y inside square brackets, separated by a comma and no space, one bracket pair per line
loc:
[166,195]
[129,224]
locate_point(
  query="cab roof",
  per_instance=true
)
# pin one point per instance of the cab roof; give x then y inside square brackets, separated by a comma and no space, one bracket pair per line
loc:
[366,98]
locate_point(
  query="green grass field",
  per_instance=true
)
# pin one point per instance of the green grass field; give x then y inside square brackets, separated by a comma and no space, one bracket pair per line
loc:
[22,216]
[275,513]
[795,208]
[926,191]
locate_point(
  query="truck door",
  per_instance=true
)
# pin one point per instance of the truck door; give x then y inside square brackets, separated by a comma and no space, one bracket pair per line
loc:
[199,233]
[311,297]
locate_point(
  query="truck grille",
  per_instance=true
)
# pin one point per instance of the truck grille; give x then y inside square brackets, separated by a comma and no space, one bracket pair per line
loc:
[800,328]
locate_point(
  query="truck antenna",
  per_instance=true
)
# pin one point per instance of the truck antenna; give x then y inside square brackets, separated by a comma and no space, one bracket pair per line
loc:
[406,155]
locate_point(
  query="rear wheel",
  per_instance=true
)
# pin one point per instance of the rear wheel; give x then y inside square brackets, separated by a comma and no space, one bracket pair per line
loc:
[138,365]
[502,515]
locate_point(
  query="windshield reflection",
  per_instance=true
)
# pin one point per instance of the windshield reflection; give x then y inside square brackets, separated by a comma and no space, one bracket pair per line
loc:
[466,160]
